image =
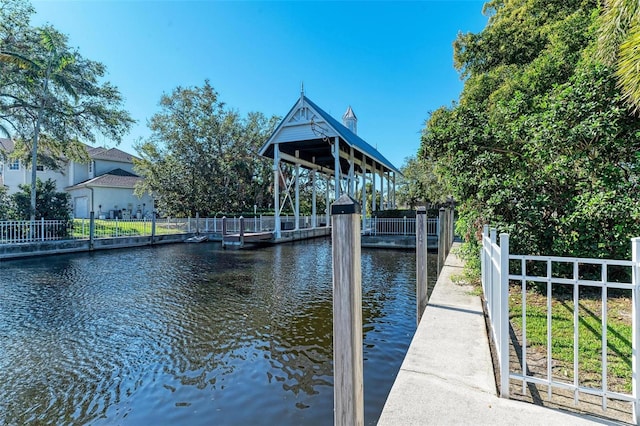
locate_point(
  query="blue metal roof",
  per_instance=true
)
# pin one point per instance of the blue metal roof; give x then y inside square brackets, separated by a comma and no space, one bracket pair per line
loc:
[353,139]
[320,150]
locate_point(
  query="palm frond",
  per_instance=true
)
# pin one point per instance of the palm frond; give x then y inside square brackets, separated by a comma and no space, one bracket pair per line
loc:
[616,21]
[66,85]
[47,39]
[628,71]
[4,131]
[20,61]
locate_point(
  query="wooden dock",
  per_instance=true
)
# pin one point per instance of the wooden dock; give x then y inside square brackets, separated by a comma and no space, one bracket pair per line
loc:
[248,238]
[268,237]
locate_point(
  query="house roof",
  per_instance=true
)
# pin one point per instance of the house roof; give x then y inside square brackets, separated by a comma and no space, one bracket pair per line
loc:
[116,178]
[95,153]
[312,146]
[110,154]
[6,145]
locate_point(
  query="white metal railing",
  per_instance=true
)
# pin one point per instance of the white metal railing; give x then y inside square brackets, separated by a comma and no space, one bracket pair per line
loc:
[496,278]
[264,223]
[397,226]
[23,231]
[113,228]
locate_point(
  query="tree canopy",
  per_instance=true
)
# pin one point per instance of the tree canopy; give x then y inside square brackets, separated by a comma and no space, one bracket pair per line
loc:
[541,143]
[51,97]
[202,156]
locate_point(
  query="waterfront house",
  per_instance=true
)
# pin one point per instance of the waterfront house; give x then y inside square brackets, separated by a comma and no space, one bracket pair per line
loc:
[104,184]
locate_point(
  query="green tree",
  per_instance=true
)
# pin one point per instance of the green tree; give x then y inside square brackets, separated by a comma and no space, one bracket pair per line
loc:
[540,144]
[52,205]
[51,96]
[419,184]
[202,156]
[5,203]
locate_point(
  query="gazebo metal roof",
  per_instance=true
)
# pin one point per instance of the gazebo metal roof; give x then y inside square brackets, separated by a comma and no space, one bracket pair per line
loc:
[307,133]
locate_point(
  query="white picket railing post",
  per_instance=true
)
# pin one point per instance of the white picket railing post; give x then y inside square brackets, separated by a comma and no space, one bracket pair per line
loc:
[635,327]
[504,315]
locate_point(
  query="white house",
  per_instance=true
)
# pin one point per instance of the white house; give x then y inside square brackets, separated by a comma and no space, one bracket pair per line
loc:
[104,185]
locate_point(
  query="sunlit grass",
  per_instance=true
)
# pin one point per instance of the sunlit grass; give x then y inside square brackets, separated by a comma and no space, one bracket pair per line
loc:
[112,228]
[589,337]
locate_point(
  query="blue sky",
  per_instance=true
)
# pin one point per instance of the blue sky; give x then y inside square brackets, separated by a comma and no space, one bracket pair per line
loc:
[391,61]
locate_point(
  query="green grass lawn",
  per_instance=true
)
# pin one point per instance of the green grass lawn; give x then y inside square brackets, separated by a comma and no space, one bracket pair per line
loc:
[589,336]
[111,228]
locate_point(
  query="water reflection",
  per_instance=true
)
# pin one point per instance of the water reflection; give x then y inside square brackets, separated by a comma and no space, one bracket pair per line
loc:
[191,334]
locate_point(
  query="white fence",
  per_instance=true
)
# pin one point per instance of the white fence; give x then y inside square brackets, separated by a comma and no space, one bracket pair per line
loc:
[553,272]
[22,231]
[397,226]
[25,231]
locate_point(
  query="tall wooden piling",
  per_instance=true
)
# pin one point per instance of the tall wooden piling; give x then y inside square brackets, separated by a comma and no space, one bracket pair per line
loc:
[224,229]
[92,229]
[421,262]
[442,236]
[347,313]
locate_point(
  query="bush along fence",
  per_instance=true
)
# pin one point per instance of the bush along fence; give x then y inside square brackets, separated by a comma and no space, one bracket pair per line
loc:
[580,316]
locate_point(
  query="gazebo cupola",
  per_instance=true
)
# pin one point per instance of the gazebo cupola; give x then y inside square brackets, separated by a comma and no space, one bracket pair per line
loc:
[350,121]
[310,138]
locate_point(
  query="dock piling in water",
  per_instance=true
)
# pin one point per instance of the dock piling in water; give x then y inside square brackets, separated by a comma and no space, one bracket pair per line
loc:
[347,313]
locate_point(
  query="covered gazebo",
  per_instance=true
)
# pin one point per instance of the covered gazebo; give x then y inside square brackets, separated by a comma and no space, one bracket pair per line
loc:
[310,138]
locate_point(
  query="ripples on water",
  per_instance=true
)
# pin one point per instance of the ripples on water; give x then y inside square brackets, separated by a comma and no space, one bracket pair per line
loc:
[191,334]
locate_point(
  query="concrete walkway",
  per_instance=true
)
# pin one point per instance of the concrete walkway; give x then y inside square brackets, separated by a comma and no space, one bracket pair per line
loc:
[447,374]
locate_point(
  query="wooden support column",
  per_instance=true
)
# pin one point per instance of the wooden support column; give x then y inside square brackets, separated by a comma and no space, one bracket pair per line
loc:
[276,188]
[297,206]
[364,191]
[347,313]
[381,187]
[336,165]
[373,188]
[388,190]
[394,190]
[327,204]
[421,262]
[352,176]
[314,213]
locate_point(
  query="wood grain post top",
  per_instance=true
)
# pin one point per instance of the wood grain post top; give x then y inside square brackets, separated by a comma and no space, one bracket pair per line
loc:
[345,205]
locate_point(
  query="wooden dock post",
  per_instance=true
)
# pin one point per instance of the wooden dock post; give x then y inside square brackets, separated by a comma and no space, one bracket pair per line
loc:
[92,229]
[224,228]
[347,313]
[153,226]
[421,262]
[442,236]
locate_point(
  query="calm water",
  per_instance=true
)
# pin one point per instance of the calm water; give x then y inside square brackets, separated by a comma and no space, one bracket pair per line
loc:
[191,334]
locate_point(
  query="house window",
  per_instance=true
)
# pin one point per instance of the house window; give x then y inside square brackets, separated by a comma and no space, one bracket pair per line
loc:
[14,165]
[40,168]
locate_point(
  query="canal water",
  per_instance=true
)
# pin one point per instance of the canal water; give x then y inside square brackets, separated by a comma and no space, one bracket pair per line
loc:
[192,334]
